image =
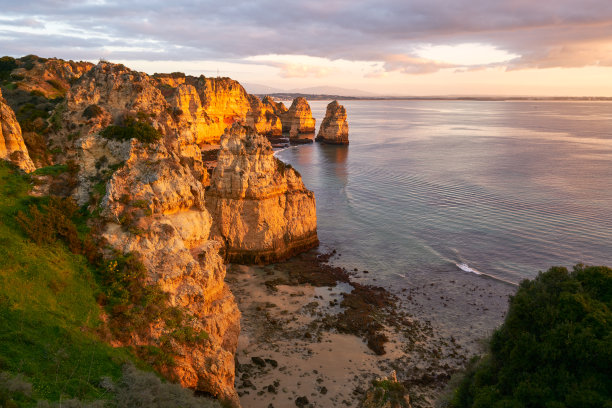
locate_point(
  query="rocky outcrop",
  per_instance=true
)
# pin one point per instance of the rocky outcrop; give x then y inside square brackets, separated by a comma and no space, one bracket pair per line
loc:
[278,108]
[334,128]
[260,207]
[210,105]
[50,77]
[153,204]
[12,146]
[298,122]
[262,118]
[107,95]
[155,207]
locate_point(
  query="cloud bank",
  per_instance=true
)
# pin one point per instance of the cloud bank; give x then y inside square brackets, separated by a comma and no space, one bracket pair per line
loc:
[543,34]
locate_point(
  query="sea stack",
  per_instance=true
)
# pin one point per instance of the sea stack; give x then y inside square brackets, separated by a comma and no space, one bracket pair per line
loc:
[298,122]
[261,209]
[334,128]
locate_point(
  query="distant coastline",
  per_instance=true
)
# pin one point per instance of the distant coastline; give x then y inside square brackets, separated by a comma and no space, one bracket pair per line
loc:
[325,97]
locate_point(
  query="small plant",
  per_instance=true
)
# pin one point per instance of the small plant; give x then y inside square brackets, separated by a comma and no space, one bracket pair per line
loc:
[7,64]
[56,84]
[132,129]
[92,111]
[56,118]
[53,170]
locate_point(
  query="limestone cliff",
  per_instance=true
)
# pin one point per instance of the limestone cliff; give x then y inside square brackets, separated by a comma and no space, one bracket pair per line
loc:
[259,205]
[298,122]
[334,128]
[210,105]
[12,146]
[153,203]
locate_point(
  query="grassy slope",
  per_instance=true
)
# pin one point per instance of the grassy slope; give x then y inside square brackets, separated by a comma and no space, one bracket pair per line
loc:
[48,310]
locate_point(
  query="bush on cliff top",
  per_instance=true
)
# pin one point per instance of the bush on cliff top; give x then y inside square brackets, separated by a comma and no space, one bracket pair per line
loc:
[554,349]
[132,129]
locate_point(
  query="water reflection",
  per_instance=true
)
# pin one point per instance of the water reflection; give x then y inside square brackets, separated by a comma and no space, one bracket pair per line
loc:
[338,155]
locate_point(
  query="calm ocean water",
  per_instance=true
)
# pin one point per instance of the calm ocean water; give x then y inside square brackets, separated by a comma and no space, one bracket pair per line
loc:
[442,188]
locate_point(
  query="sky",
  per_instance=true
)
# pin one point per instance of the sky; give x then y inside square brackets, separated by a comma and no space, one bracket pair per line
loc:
[388,47]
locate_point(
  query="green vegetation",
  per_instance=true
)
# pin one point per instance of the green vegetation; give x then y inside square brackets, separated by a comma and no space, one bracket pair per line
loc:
[52,170]
[32,112]
[132,129]
[92,111]
[56,119]
[7,64]
[554,349]
[30,60]
[48,312]
[53,288]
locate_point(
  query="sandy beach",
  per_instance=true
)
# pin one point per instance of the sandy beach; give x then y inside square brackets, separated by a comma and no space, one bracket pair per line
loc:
[297,349]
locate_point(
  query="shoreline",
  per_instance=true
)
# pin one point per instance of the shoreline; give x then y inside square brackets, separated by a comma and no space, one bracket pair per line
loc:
[295,344]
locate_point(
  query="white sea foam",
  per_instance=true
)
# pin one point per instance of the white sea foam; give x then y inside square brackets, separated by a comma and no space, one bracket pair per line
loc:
[466,268]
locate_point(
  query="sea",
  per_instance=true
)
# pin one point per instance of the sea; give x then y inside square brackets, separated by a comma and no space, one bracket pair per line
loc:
[433,190]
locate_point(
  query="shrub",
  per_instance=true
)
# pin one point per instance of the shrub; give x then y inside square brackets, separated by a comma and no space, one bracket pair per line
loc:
[56,118]
[56,84]
[7,64]
[37,148]
[92,111]
[553,349]
[53,222]
[132,129]
[142,389]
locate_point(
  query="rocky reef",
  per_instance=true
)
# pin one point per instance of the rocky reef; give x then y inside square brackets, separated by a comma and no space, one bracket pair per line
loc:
[298,122]
[260,207]
[12,146]
[334,128]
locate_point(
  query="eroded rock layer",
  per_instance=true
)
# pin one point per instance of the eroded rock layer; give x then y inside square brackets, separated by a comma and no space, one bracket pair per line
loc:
[12,146]
[260,207]
[334,128]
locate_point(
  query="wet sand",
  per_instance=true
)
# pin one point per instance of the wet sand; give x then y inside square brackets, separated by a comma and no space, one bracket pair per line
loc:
[300,347]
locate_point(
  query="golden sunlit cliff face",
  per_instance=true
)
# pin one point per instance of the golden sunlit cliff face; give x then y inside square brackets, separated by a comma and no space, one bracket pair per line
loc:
[210,105]
[260,207]
[334,128]
[12,146]
[154,205]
